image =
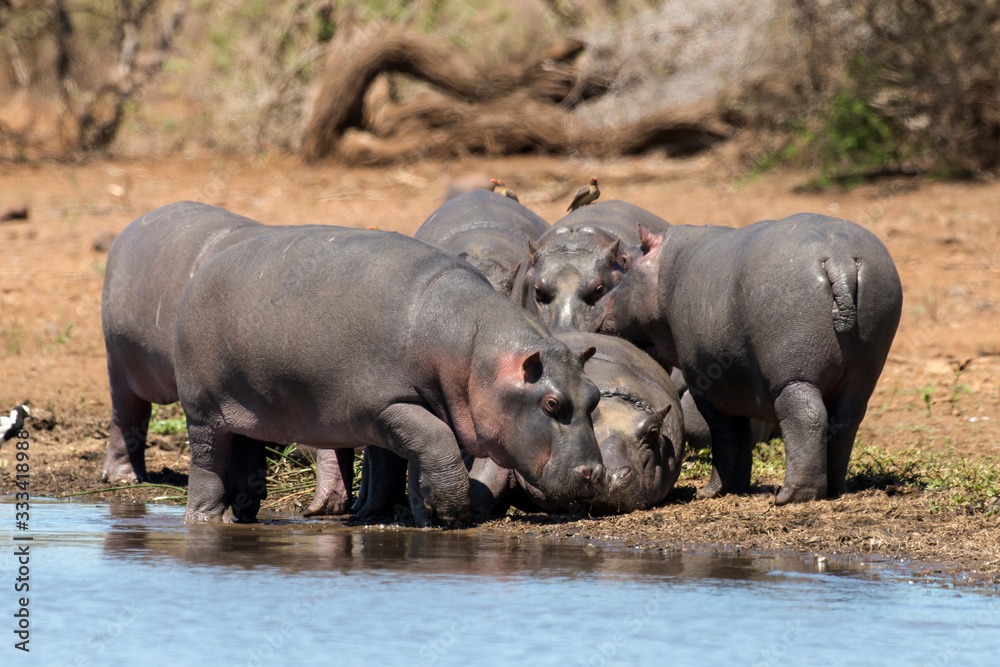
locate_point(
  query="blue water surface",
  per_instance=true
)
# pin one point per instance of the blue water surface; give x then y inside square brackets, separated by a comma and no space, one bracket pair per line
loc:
[123,584]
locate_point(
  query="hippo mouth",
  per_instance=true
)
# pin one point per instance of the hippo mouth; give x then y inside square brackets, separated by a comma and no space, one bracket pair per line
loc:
[631,491]
[551,497]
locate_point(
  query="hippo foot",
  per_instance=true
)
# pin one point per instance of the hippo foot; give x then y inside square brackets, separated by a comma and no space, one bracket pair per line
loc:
[713,489]
[799,494]
[122,473]
[710,490]
[328,506]
[198,516]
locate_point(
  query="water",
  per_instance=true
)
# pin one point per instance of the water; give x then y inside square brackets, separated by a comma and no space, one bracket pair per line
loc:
[130,584]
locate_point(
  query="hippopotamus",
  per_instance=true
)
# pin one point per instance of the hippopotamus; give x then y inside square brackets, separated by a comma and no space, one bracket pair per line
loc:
[486,229]
[638,424]
[148,266]
[786,321]
[578,260]
[338,338]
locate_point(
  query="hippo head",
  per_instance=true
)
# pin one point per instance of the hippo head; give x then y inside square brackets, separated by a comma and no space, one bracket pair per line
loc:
[568,274]
[532,413]
[631,308]
[640,460]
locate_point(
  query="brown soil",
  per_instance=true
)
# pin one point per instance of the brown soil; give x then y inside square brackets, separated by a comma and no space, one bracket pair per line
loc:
[940,390]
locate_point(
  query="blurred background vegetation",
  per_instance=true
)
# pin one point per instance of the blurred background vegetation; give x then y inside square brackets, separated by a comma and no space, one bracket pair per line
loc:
[850,89]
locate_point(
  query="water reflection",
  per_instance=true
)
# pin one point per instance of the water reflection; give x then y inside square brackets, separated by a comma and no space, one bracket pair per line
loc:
[294,546]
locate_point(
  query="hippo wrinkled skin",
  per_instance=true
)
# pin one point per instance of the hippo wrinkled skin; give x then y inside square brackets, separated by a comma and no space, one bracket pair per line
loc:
[579,260]
[638,424]
[786,321]
[486,229]
[339,337]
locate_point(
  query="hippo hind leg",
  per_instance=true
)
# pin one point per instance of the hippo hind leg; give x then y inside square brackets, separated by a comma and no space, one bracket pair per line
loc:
[846,413]
[802,417]
[732,453]
[125,461]
[247,486]
[334,483]
[208,479]
[383,483]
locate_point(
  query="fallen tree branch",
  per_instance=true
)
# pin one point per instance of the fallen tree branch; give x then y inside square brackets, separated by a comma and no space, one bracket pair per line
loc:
[503,109]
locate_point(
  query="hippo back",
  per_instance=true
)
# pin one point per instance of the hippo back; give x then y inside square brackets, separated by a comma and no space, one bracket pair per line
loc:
[485,229]
[148,266]
[616,217]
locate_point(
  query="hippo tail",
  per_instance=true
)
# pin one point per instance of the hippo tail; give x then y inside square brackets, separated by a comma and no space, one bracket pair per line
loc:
[843,278]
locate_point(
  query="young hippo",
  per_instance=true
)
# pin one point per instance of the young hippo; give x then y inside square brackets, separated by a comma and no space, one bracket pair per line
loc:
[338,338]
[786,321]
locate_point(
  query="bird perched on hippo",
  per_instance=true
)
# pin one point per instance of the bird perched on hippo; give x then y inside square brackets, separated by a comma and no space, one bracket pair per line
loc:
[786,321]
[585,194]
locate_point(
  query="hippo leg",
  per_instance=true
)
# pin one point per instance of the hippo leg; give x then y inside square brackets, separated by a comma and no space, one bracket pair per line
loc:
[732,453]
[383,483]
[208,479]
[247,478]
[440,486]
[846,414]
[334,482]
[489,484]
[802,417]
[126,458]
[696,430]
[421,517]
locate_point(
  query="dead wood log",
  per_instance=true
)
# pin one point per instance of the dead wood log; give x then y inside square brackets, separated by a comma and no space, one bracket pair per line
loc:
[510,108]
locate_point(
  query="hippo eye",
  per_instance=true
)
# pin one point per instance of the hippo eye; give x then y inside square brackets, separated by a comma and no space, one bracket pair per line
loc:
[551,405]
[596,294]
[541,295]
[624,261]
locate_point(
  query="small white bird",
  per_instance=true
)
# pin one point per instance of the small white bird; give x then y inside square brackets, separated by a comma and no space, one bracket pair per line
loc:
[9,426]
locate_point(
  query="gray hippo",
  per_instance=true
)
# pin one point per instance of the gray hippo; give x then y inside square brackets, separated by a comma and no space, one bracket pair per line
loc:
[148,266]
[786,321]
[486,229]
[342,337]
[578,260]
[638,424]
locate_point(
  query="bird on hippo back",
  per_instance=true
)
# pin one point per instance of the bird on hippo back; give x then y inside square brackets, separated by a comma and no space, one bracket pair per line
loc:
[787,321]
[586,194]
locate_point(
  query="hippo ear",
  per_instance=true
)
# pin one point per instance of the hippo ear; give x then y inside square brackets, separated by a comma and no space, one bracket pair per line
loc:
[662,414]
[613,253]
[507,284]
[586,354]
[532,251]
[532,367]
[650,241]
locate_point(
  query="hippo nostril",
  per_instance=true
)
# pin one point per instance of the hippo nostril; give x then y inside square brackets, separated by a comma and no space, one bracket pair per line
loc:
[591,473]
[621,477]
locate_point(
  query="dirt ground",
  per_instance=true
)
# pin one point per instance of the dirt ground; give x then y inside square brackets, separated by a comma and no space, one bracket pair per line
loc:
[940,390]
